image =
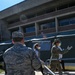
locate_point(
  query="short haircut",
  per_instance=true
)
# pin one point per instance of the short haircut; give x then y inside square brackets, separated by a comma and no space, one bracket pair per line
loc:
[17,39]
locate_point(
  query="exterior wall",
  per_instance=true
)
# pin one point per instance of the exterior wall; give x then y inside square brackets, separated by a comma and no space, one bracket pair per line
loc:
[25,5]
[28,9]
[5,34]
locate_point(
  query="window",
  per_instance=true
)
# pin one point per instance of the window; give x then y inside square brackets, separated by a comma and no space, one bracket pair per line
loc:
[68,21]
[48,25]
[45,45]
[72,21]
[64,22]
[29,29]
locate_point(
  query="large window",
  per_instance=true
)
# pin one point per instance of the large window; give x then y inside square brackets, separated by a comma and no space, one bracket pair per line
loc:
[64,22]
[67,21]
[29,29]
[72,20]
[48,25]
[45,45]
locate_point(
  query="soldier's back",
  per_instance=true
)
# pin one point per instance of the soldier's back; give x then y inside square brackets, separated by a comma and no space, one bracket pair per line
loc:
[18,61]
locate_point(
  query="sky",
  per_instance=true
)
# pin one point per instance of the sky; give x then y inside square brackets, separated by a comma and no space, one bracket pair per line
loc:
[8,3]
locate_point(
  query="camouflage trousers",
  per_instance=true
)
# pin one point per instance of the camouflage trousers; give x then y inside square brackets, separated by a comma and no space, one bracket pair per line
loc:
[55,65]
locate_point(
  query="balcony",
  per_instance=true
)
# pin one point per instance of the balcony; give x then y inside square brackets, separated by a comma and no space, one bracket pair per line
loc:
[29,34]
[64,28]
[50,30]
[45,16]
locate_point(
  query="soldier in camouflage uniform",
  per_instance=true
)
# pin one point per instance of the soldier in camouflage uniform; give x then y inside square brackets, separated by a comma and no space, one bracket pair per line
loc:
[55,51]
[19,59]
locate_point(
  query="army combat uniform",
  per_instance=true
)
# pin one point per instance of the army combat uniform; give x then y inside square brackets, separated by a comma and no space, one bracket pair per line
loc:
[55,64]
[21,60]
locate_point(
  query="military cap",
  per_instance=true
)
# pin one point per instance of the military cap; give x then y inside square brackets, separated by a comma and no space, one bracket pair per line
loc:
[56,41]
[17,34]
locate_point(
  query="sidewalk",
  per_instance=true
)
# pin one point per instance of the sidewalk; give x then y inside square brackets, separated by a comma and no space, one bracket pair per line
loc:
[37,73]
[66,73]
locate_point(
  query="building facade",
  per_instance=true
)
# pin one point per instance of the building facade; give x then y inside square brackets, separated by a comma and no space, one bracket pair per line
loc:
[32,17]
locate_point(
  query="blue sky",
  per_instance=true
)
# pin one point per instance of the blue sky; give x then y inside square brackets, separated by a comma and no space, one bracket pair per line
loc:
[8,3]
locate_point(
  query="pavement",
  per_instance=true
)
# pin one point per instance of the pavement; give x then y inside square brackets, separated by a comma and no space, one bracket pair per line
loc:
[64,73]
[37,73]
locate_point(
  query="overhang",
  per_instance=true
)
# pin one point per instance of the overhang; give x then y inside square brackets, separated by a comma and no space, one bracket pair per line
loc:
[25,5]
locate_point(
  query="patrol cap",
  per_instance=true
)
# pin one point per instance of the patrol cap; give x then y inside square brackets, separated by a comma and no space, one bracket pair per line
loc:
[56,41]
[17,34]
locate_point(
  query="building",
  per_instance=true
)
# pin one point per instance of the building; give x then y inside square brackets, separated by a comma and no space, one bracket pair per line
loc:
[32,17]
[35,16]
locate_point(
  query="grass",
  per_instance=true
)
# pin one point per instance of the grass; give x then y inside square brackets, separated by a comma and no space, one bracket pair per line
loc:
[1,70]
[70,67]
[1,64]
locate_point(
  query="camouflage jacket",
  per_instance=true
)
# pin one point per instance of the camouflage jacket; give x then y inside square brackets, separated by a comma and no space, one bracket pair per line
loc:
[21,60]
[55,51]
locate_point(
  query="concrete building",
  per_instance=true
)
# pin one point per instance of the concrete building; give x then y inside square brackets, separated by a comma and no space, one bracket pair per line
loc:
[35,16]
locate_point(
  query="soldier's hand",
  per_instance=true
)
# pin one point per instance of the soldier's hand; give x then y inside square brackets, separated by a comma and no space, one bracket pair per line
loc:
[42,62]
[69,47]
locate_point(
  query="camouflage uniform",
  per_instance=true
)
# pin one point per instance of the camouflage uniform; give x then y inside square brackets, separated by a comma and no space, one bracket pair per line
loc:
[21,60]
[55,64]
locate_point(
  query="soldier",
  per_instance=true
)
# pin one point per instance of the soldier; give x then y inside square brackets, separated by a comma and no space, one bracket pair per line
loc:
[37,48]
[19,59]
[55,53]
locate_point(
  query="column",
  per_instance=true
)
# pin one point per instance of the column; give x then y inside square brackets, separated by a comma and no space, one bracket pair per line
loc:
[56,25]
[20,29]
[36,28]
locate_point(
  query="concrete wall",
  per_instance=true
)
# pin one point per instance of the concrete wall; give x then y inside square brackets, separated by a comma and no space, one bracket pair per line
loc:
[25,5]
